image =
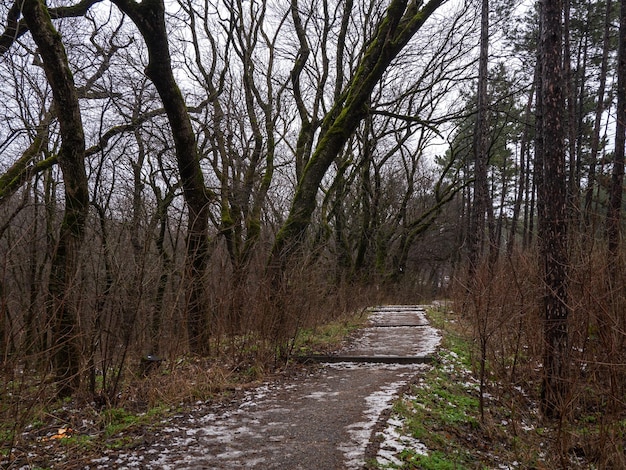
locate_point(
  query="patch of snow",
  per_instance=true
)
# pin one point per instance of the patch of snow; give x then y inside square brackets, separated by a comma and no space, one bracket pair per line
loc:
[360,432]
[372,366]
[321,395]
[394,442]
[513,464]
[471,386]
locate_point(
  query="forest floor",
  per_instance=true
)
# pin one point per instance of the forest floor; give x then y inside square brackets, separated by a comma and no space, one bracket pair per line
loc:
[383,408]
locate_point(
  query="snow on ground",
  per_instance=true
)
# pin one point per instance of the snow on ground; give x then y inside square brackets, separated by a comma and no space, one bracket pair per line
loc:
[394,442]
[376,402]
[278,425]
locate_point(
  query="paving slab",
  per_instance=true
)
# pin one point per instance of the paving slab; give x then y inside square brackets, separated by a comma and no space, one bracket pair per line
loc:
[384,317]
[396,334]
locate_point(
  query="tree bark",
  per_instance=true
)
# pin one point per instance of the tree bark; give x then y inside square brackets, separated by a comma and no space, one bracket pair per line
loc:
[553,224]
[66,350]
[481,153]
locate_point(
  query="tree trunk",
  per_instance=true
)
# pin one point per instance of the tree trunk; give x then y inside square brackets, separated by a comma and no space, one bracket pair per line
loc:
[523,173]
[553,224]
[149,17]
[613,217]
[572,122]
[481,151]
[66,351]
[595,139]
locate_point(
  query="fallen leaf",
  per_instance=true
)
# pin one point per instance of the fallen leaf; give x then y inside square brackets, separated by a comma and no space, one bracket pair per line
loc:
[62,433]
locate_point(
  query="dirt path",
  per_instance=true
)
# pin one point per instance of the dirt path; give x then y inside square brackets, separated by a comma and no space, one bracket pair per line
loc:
[323,420]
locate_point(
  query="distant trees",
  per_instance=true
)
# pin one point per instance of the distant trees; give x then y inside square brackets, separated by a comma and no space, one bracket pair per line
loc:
[589,91]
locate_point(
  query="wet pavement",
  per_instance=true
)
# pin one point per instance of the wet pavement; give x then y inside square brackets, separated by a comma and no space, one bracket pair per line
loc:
[398,331]
[323,419]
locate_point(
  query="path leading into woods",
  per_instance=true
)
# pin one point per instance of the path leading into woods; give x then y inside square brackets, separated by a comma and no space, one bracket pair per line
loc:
[324,419]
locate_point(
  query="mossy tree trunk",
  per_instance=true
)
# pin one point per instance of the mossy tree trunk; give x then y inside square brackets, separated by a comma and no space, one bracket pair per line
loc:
[149,17]
[399,24]
[66,345]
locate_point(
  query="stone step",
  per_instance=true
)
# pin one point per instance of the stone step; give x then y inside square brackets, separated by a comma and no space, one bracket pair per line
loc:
[366,359]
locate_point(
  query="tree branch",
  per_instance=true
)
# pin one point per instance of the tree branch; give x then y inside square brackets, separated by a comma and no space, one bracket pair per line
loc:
[15,28]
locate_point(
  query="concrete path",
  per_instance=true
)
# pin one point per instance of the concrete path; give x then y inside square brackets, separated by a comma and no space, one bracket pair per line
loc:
[321,420]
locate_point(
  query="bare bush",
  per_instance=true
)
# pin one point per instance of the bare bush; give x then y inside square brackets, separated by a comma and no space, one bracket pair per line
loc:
[503,314]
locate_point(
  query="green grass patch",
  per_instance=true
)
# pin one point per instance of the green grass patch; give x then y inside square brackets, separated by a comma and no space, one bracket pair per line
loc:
[442,408]
[442,412]
[436,461]
[119,423]
[117,420]
[78,442]
[324,338]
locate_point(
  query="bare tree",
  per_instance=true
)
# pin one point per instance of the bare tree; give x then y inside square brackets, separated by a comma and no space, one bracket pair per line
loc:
[400,23]
[149,17]
[66,352]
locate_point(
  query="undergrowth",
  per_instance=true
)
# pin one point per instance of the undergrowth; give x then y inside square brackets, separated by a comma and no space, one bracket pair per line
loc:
[65,434]
[328,336]
[441,411]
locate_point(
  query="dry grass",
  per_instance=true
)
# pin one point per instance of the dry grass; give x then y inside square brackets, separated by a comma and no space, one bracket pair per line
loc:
[503,313]
[321,316]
